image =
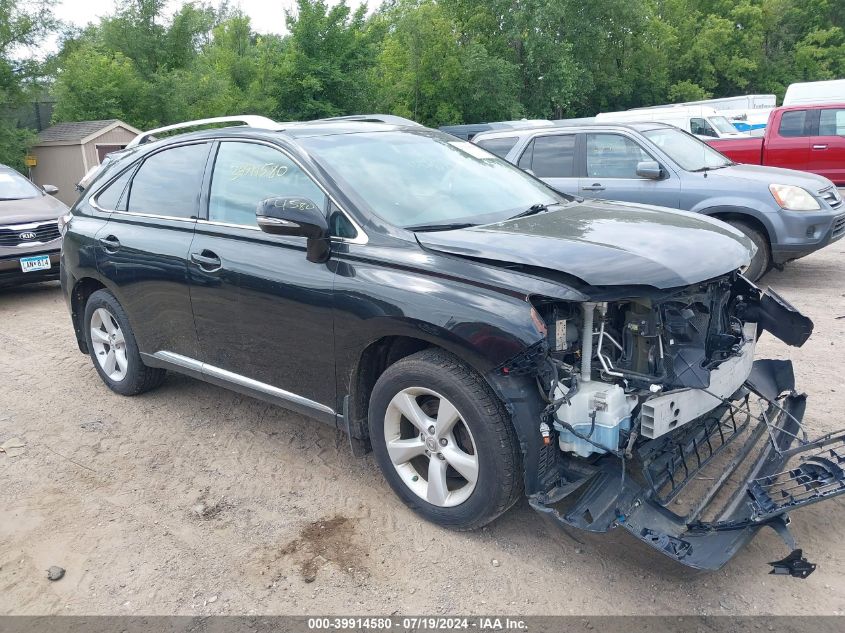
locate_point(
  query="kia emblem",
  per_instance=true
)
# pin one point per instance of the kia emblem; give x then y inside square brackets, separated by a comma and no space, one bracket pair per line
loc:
[27,235]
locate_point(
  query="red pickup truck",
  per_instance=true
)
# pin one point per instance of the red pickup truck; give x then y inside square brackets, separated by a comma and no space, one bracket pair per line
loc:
[806,137]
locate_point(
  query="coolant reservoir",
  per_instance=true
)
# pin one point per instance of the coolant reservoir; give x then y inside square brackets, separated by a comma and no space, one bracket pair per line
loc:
[613,414]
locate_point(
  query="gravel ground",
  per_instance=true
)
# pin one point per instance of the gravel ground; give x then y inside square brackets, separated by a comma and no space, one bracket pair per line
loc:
[195,500]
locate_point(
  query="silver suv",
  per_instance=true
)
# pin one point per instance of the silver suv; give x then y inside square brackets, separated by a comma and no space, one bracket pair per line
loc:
[786,213]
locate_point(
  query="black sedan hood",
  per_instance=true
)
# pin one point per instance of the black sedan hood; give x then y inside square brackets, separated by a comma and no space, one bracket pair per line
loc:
[606,244]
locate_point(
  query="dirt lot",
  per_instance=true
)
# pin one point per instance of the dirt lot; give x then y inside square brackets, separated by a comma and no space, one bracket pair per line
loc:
[194,500]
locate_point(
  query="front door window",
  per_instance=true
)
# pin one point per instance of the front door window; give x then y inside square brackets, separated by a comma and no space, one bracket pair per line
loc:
[613,156]
[247,173]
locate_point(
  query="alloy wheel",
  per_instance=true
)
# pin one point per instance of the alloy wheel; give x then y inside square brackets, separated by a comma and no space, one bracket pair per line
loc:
[431,446]
[109,344]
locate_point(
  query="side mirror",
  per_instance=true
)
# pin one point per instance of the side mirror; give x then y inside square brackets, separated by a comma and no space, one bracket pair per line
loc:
[649,169]
[296,216]
[51,189]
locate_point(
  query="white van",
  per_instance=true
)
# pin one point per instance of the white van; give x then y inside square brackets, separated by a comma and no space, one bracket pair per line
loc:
[699,120]
[723,104]
[832,91]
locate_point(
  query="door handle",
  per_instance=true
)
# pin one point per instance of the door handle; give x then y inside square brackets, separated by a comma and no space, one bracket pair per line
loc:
[819,146]
[110,243]
[594,187]
[207,260]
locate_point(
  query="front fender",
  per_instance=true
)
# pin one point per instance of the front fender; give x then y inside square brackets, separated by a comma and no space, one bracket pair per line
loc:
[480,325]
[747,208]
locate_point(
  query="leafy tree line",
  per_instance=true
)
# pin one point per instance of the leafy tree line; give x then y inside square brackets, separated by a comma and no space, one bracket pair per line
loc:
[436,61]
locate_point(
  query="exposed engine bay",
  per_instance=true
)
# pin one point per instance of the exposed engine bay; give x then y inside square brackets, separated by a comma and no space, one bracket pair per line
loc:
[644,394]
[668,360]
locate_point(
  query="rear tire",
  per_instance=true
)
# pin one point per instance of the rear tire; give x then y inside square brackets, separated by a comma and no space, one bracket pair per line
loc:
[762,260]
[472,471]
[113,349]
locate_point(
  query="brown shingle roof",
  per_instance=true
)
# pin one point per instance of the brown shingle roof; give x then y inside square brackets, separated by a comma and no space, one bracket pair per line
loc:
[72,131]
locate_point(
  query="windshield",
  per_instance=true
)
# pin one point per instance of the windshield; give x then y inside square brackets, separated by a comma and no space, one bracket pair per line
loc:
[418,178]
[13,186]
[686,150]
[723,125]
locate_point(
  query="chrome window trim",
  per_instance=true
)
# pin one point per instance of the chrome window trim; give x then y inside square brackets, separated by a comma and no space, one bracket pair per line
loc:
[237,379]
[230,225]
[361,238]
[249,227]
[152,216]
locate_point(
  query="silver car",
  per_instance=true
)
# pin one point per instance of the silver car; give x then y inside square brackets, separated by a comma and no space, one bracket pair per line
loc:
[787,214]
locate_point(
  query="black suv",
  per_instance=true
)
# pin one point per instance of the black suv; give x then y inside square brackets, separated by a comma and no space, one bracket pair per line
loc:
[486,336]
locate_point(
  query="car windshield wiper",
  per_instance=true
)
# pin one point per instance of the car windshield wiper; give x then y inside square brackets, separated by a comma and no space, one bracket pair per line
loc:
[701,169]
[419,228]
[532,210]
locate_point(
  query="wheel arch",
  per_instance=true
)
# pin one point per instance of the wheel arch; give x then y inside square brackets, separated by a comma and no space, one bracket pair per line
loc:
[82,290]
[372,362]
[741,214]
[518,395]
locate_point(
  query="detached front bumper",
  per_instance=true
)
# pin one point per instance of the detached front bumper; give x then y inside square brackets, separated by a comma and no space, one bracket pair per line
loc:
[760,468]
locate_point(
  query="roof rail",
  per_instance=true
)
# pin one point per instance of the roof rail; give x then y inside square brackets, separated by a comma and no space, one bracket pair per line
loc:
[248,120]
[390,119]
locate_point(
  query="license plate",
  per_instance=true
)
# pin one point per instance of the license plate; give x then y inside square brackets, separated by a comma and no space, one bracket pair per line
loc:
[39,262]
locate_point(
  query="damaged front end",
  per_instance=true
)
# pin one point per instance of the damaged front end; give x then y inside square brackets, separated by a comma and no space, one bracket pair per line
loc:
[658,419]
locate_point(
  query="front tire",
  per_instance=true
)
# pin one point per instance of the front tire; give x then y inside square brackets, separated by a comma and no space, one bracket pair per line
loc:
[444,441]
[113,349]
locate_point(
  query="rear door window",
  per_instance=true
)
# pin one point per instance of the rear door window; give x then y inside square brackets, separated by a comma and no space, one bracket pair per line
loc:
[550,156]
[112,198]
[792,123]
[613,156]
[168,183]
[498,146]
[832,122]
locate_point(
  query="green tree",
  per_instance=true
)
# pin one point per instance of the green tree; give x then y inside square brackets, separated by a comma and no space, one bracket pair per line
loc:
[136,32]
[22,26]
[94,85]
[437,61]
[419,72]
[321,69]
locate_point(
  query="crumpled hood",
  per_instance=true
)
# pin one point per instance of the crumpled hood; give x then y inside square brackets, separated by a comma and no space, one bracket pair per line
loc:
[766,176]
[30,210]
[607,244]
